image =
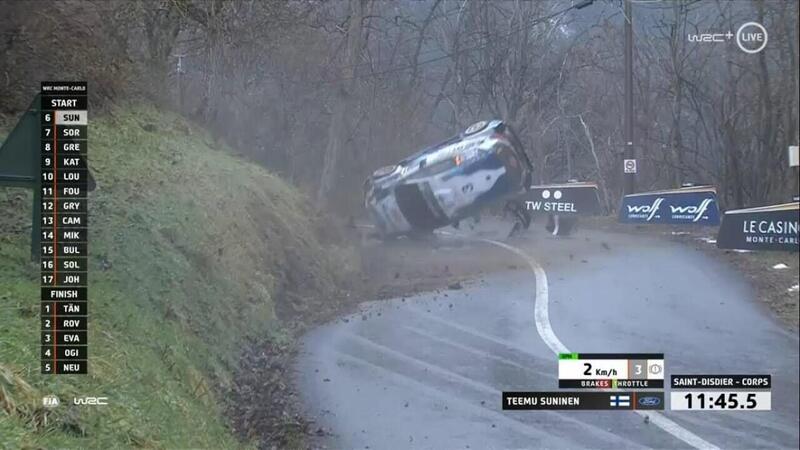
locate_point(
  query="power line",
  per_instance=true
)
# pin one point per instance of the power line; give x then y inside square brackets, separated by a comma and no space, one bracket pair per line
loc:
[532,23]
[519,27]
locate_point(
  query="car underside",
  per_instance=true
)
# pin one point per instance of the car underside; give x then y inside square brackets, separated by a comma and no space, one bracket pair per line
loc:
[448,182]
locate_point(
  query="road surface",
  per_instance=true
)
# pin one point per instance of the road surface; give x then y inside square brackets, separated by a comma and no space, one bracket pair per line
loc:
[427,371]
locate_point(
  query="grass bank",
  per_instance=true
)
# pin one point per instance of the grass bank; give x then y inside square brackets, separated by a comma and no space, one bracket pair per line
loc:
[193,252]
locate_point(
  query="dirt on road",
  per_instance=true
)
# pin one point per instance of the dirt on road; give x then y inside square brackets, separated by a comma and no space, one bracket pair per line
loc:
[404,267]
[427,370]
[263,403]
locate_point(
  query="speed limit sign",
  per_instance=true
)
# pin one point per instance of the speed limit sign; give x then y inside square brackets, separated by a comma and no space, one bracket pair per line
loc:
[630,166]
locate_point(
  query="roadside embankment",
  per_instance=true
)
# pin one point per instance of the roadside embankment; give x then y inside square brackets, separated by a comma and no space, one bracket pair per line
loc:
[194,254]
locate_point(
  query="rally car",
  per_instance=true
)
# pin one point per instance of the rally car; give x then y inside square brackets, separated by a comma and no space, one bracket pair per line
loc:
[448,182]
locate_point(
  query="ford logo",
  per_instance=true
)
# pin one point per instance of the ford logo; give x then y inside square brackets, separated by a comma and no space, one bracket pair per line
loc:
[649,401]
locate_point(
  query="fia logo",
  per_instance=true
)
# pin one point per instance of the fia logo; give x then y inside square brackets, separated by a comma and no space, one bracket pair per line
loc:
[50,401]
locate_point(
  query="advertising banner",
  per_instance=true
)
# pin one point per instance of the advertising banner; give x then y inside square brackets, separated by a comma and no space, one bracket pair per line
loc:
[563,199]
[763,228]
[685,206]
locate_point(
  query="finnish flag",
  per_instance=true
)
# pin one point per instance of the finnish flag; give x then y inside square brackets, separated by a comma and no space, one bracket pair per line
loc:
[620,400]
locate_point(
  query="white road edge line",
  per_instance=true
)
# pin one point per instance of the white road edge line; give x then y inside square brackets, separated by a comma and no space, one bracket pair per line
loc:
[545,330]
[549,337]
[474,350]
[433,392]
[476,384]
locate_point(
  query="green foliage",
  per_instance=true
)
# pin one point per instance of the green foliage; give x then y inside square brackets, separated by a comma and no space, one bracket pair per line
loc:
[190,250]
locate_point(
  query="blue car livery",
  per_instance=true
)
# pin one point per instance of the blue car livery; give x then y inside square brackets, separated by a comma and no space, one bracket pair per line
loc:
[445,183]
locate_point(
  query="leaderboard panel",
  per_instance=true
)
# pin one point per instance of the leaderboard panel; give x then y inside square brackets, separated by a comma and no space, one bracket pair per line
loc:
[64,240]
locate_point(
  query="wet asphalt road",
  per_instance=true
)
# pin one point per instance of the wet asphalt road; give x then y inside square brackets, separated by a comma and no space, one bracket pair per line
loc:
[427,371]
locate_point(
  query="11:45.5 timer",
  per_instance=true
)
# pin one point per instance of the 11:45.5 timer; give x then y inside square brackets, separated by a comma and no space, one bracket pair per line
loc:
[723,400]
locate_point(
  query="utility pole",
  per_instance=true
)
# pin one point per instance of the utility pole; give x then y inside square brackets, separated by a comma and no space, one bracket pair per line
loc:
[179,73]
[630,176]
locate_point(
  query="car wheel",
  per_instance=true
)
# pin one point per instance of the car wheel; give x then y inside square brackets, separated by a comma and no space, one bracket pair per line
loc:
[475,127]
[383,171]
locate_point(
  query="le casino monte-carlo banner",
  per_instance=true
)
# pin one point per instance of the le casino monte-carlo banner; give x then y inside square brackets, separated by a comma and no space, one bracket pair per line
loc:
[764,228]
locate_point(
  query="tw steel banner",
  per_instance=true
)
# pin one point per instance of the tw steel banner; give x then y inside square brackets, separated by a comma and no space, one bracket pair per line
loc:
[688,206]
[764,228]
[563,199]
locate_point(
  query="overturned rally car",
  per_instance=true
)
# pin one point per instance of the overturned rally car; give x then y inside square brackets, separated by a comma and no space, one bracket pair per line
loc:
[448,182]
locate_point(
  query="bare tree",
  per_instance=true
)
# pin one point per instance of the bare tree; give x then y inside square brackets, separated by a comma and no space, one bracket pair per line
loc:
[345,87]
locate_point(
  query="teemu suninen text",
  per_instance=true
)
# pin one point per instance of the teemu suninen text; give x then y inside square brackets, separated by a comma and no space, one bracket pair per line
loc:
[64,185]
[582,400]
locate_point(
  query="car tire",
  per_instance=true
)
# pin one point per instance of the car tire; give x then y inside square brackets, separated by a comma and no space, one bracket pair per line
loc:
[383,171]
[476,127]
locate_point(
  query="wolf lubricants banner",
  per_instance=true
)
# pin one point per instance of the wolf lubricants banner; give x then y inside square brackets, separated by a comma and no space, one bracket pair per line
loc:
[689,206]
[765,228]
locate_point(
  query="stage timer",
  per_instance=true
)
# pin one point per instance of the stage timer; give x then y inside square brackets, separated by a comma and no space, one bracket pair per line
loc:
[721,393]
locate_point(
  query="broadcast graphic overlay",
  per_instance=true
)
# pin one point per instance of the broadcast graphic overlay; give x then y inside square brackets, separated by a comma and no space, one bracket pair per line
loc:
[721,393]
[64,212]
[605,381]
[611,370]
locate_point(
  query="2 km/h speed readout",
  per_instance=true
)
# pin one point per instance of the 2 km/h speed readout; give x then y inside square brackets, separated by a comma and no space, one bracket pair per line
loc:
[611,370]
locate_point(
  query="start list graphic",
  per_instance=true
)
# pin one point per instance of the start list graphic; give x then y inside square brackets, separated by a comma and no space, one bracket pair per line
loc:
[64,184]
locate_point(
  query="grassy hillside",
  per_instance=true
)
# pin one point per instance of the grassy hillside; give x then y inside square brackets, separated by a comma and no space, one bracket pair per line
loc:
[192,252]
